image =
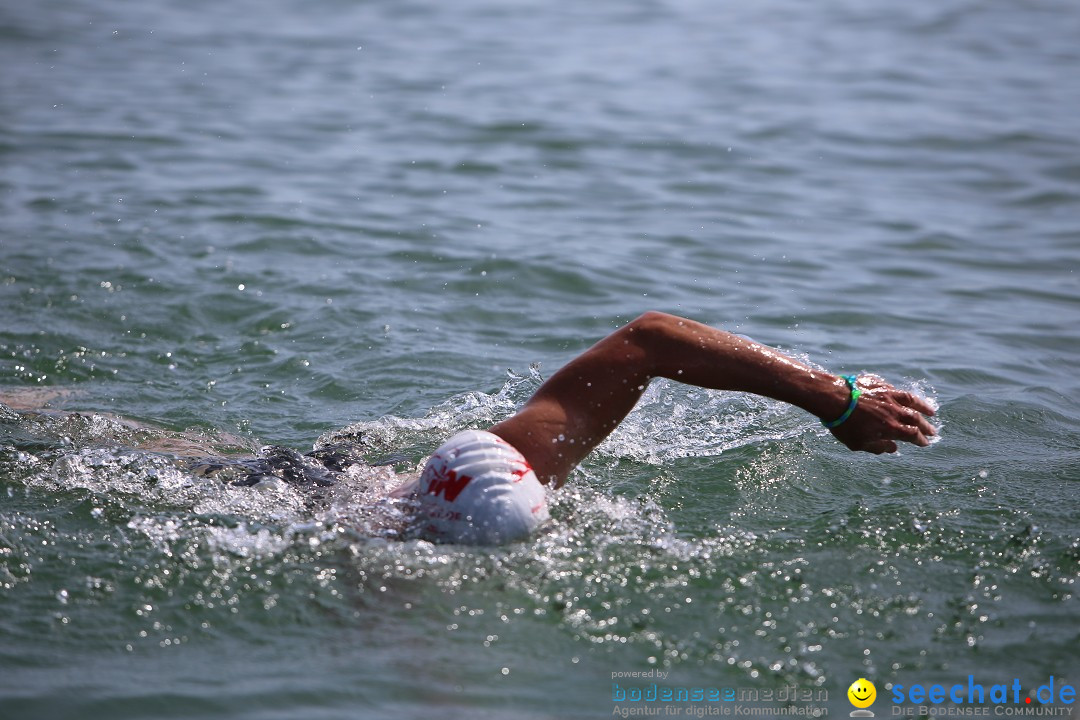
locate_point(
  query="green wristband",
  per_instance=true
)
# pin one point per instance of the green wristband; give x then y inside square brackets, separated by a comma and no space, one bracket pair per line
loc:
[855,394]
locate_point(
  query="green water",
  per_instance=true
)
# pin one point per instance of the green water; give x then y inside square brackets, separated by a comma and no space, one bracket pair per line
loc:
[278,222]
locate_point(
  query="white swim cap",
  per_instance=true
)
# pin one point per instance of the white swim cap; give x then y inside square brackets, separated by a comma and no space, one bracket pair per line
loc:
[478,489]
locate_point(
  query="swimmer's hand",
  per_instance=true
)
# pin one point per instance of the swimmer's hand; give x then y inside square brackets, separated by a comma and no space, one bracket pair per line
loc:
[883,416]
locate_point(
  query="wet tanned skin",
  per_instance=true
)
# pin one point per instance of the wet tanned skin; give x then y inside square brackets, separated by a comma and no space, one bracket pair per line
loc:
[582,403]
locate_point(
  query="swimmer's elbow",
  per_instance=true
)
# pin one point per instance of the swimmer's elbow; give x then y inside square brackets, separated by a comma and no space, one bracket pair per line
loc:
[652,323]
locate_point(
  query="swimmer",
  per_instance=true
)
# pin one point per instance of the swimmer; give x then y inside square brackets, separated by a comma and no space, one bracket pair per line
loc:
[490,486]
[486,487]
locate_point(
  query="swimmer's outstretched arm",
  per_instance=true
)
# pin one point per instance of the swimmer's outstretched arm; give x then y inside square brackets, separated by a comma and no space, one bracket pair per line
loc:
[579,406]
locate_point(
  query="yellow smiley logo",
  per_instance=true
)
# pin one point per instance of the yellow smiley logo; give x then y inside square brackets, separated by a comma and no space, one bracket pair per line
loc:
[862,693]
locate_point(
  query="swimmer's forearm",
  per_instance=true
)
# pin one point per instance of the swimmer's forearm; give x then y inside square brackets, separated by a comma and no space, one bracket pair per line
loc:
[695,353]
[690,352]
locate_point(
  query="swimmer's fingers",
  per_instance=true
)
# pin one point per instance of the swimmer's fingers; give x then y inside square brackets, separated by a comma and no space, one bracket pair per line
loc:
[909,409]
[875,384]
[879,446]
[913,401]
[926,430]
[912,411]
[906,423]
[915,430]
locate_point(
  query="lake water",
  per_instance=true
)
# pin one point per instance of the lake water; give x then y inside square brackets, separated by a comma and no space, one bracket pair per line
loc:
[280,221]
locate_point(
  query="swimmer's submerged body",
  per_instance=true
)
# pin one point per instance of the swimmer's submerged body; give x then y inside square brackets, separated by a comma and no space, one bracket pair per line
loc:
[488,486]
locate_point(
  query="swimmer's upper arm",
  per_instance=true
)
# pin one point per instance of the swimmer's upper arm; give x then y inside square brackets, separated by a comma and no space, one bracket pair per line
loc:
[579,406]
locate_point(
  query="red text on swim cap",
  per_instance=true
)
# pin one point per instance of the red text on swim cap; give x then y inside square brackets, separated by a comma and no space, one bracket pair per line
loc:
[448,484]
